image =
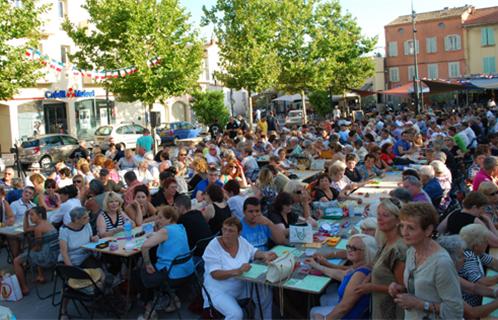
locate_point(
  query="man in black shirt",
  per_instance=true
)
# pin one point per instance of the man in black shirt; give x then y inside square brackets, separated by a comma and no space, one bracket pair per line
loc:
[232,127]
[214,129]
[80,152]
[195,225]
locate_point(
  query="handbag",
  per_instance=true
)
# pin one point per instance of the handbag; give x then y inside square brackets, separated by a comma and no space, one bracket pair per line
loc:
[301,233]
[281,268]
[10,290]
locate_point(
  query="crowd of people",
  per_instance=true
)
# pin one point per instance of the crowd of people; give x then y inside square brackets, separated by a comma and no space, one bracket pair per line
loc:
[422,256]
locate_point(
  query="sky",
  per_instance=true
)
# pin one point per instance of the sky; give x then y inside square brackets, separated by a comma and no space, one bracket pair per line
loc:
[371,15]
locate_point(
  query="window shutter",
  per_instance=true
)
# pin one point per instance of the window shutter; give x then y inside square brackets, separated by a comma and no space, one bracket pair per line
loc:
[457,44]
[485,65]
[491,36]
[446,43]
[406,48]
[492,65]
[484,41]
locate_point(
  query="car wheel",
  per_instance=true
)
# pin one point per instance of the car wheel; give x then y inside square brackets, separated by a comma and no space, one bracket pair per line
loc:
[46,162]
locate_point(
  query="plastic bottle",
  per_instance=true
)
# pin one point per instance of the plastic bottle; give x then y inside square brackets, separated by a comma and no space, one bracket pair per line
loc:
[128,230]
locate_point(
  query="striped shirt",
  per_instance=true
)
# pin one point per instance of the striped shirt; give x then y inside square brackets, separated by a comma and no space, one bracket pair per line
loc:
[472,271]
[109,225]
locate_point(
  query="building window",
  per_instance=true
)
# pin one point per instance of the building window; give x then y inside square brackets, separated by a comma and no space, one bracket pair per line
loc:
[409,47]
[206,70]
[62,8]
[489,65]
[432,71]
[452,43]
[441,25]
[431,44]
[394,74]
[65,54]
[401,30]
[411,72]
[487,37]
[454,69]
[393,49]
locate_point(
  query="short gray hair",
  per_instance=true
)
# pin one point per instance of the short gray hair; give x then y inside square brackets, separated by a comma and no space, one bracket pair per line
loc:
[426,171]
[77,213]
[411,180]
[439,155]
[439,166]
[369,223]
[474,234]
[453,244]
[489,163]
[401,194]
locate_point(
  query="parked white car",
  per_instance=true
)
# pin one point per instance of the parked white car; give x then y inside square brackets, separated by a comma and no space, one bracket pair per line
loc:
[125,134]
[294,117]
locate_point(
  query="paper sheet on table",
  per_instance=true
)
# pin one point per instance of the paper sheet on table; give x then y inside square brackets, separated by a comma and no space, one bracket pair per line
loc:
[342,244]
[281,250]
[255,271]
[485,300]
[309,283]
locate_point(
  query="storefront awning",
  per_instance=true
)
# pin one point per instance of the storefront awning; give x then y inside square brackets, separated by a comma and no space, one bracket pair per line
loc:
[363,93]
[405,90]
[439,86]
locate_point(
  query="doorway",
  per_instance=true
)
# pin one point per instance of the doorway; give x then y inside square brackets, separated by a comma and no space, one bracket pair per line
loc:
[55,117]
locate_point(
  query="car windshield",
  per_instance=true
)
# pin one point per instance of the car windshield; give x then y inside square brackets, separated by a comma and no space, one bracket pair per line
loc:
[103,131]
[30,143]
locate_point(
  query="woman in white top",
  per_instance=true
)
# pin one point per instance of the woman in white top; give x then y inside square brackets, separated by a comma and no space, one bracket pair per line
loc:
[226,258]
[143,173]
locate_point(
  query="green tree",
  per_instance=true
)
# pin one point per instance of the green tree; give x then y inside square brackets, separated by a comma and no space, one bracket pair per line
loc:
[320,100]
[319,46]
[246,30]
[19,27]
[127,33]
[209,107]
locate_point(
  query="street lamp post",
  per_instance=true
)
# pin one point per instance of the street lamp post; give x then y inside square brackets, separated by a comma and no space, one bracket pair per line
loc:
[415,63]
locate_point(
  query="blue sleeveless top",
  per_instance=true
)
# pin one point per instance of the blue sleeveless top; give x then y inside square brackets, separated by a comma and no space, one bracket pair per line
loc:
[361,307]
[175,245]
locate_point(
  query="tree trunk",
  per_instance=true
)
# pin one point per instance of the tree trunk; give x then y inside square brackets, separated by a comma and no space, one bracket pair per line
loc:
[305,117]
[249,104]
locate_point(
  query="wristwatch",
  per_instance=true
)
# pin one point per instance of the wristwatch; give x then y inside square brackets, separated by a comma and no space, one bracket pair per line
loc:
[427,306]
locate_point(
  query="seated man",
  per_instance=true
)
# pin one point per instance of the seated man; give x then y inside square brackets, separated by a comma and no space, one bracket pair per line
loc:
[431,185]
[195,225]
[414,185]
[212,178]
[235,199]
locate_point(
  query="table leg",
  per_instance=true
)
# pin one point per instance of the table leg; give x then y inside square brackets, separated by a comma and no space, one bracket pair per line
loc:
[259,301]
[128,287]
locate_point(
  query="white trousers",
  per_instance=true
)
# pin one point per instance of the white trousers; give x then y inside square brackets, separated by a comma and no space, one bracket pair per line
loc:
[227,303]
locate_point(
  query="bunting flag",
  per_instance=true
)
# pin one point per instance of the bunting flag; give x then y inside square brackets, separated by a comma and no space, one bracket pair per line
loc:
[32,54]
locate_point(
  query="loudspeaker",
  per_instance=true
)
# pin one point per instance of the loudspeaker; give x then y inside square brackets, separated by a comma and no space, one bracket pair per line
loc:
[155,118]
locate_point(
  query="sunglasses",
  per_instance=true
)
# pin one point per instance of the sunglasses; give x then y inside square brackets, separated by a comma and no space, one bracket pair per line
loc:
[353,248]
[493,193]
[299,192]
[77,181]
[182,154]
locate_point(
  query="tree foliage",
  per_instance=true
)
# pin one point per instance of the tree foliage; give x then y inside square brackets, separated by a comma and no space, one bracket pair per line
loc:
[125,33]
[209,107]
[245,31]
[321,102]
[19,27]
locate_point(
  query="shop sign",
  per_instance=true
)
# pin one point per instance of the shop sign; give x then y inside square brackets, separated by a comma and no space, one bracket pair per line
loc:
[70,93]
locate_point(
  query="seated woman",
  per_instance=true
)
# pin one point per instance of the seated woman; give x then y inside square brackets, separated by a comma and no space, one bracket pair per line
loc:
[141,210]
[171,241]
[112,220]
[475,257]
[7,217]
[72,238]
[455,246]
[233,170]
[128,162]
[217,210]
[281,213]
[225,258]
[301,201]
[347,303]
[368,170]
[323,191]
[43,252]
[199,167]
[144,176]
[387,155]
[49,199]
[339,181]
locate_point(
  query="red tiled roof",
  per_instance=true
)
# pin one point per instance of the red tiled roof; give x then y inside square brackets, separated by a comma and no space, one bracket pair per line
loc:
[482,16]
[432,15]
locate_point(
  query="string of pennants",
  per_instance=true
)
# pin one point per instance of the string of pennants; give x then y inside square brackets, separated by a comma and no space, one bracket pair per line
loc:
[94,74]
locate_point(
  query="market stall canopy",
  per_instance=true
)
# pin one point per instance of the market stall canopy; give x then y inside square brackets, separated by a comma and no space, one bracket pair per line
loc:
[289,98]
[363,93]
[491,83]
[405,90]
[439,86]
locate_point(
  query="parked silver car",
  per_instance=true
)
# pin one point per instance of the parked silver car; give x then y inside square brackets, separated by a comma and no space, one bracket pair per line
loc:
[47,149]
[124,134]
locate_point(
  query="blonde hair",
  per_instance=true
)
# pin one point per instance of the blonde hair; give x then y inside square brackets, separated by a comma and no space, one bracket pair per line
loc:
[336,167]
[265,177]
[292,186]
[474,234]
[112,196]
[487,188]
